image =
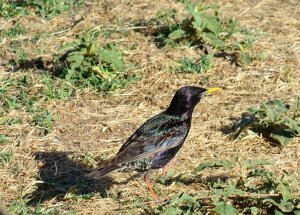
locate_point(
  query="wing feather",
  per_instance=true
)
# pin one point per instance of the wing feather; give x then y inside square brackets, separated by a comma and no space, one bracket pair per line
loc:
[152,138]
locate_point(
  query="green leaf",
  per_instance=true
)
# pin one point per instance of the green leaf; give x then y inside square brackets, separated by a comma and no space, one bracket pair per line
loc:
[292,124]
[212,39]
[296,212]
[252,110]
[215,163]
[75,64]
[67,46]
[255,210]
[77,57]
[269,112]
[211,23]
[227,191]
[190,8]
[243,124]
[245,58]
[283,140]
[175,35]
[285,190]
[172,210]
[256,162]
[225,209]
[113,57]
[283,205]
[262,173]
[186,198]
[278,213]
[277,105]
[3,139]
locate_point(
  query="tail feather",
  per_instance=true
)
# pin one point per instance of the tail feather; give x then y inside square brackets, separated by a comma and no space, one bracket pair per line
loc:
[99,173]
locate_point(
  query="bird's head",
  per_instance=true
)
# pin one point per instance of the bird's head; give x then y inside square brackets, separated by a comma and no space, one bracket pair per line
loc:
[186,98]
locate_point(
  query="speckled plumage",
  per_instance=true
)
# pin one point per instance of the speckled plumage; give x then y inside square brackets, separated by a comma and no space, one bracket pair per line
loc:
[157,141]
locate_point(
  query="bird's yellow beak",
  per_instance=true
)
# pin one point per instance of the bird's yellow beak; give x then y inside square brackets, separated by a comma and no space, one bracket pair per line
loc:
[211,90]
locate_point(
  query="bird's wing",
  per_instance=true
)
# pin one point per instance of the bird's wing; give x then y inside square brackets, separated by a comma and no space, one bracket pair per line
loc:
[156,135]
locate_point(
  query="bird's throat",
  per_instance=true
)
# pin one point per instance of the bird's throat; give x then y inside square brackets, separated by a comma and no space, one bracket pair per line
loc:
[187,115]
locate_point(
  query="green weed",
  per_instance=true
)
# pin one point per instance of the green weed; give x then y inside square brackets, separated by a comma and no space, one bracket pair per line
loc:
[20,206]
[43,121]
[182,204]
[273,119]
[50,8]
[208,31]
[86,64]
[21,55]
[72,195]
[169,178]
[168,19]
[190,65]
[287,77]
[14,31]
[3,139]
[56,89]
[43,8]
[5,157]
[14,94]
[257,190]
[205,27]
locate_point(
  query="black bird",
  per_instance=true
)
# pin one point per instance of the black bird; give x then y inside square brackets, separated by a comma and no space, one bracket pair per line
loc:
[156,142]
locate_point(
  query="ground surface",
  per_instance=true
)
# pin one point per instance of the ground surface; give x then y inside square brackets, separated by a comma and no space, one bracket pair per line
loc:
[91,126]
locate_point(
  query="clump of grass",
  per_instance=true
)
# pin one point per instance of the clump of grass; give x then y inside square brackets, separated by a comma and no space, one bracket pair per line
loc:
[21,94]
[87,64]
[5,157]
[21,206]
[10,9]
[14,31]
[44,8]
[50,8]
[43,121]
[56,88]
[18,93]
[192,65]
[3,139]
[273,119]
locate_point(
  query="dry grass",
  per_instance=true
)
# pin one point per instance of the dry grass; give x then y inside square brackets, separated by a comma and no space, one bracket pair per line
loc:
[92,125]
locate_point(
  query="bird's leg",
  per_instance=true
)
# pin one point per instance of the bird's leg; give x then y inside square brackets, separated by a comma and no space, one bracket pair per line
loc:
[150,187]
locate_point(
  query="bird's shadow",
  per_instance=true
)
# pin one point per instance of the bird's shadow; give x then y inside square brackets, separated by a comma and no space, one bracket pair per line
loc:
[62,173]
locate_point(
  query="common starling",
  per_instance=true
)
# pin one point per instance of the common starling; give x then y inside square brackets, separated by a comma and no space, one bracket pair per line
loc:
[156,142]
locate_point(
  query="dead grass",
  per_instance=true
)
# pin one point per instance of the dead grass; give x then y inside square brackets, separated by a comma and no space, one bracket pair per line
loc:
[94,125]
